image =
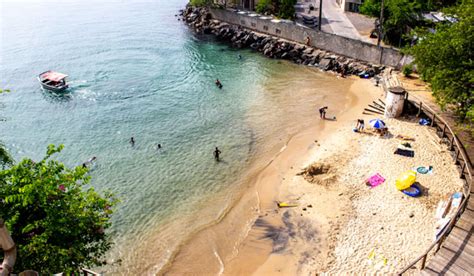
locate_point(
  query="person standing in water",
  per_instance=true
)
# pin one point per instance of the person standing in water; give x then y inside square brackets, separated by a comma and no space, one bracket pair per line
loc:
[218,83]
[158,147]
[322,112]
[132,141]
[217,152]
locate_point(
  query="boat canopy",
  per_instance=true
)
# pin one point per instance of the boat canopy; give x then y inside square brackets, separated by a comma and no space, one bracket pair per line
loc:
[53,76]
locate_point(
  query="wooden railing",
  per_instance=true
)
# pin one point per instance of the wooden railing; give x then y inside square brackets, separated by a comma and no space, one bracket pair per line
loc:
[460,158]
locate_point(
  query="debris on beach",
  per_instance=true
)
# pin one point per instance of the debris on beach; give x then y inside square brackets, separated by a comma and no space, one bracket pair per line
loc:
[286,205]
[319,173]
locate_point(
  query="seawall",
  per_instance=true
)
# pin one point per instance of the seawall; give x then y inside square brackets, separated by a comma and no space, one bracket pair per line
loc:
[329,42]
[281,39]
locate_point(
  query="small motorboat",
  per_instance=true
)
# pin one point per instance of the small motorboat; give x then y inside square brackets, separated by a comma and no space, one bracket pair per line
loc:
[53,81]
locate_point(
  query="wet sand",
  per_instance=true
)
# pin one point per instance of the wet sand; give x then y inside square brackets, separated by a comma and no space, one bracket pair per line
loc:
[255,236]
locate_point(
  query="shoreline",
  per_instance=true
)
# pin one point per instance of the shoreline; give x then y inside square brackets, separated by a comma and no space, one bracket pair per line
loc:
[237,237]
[331,230]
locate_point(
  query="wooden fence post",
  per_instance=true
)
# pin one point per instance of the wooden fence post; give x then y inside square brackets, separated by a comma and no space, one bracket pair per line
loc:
[433,119]
[423,262]
[444,131]
[419,109]
[452,144]
[456,160]
[463,168]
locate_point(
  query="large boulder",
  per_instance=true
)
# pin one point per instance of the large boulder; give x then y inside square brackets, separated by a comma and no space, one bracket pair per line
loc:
[326,64]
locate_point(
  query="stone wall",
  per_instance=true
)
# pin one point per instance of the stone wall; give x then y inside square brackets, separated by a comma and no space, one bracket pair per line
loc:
[330,42]
[201,20]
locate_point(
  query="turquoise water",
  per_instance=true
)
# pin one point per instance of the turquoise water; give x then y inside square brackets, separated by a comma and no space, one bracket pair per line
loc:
[135,70]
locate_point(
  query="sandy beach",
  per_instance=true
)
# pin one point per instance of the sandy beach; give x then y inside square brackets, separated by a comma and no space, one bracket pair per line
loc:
[250,231]
[339,225]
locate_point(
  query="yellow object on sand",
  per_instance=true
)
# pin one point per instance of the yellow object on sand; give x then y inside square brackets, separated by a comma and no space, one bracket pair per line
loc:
[405,180]
[372,254]
[285,205]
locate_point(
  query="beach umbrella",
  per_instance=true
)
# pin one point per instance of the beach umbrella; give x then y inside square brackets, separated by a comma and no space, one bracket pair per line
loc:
[377,123]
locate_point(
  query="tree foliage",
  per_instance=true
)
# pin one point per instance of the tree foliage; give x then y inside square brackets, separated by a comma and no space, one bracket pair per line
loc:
[281,8]
[287,9]
[264,6]
[445,57]
[57,225]
[401,16]
[201,3]
[5,158]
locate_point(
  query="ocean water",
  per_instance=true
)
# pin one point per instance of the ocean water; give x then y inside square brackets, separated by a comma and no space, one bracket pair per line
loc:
[135,70]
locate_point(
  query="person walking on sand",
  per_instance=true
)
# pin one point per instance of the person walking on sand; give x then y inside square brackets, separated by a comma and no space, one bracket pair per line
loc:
[217,152]
[322,112]
[132,141]
[360,125]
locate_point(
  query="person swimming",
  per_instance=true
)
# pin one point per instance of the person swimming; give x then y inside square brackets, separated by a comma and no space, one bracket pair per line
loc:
[239,56]
[218,83]
[158,146]
[89,162]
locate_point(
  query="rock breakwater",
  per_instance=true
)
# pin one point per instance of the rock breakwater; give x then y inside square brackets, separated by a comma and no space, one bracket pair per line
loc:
[201,20]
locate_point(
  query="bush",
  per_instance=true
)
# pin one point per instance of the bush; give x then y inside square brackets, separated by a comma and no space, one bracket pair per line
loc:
[370,8]
[263,6]
[57,225]
[287,9]
[444,58]
[407,69]
[200,3]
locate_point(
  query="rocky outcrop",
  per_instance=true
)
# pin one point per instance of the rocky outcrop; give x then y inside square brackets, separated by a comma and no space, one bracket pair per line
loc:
[200,19]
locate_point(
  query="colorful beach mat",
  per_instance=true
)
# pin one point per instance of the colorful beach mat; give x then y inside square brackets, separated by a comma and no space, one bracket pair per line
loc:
[375,180]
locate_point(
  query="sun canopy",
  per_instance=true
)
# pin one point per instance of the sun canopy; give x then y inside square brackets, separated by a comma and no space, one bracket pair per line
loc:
[377,123]
[53,76]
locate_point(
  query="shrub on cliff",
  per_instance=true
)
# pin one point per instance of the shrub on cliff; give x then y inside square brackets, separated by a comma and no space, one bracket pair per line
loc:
[56,224]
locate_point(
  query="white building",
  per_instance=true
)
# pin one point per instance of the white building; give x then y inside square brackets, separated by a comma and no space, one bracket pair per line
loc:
[350,5]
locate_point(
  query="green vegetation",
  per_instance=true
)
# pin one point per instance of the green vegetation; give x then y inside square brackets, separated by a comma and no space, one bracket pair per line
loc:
[407,70]
[201,3]
[287,9]
[370,8]
[444,58]
[402,16]
[282,8]
[5,157]
[56,225]
[443,52]
[264,6]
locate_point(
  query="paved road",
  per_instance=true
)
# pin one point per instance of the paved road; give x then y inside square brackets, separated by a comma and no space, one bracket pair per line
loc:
[334,19]
[338,22]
